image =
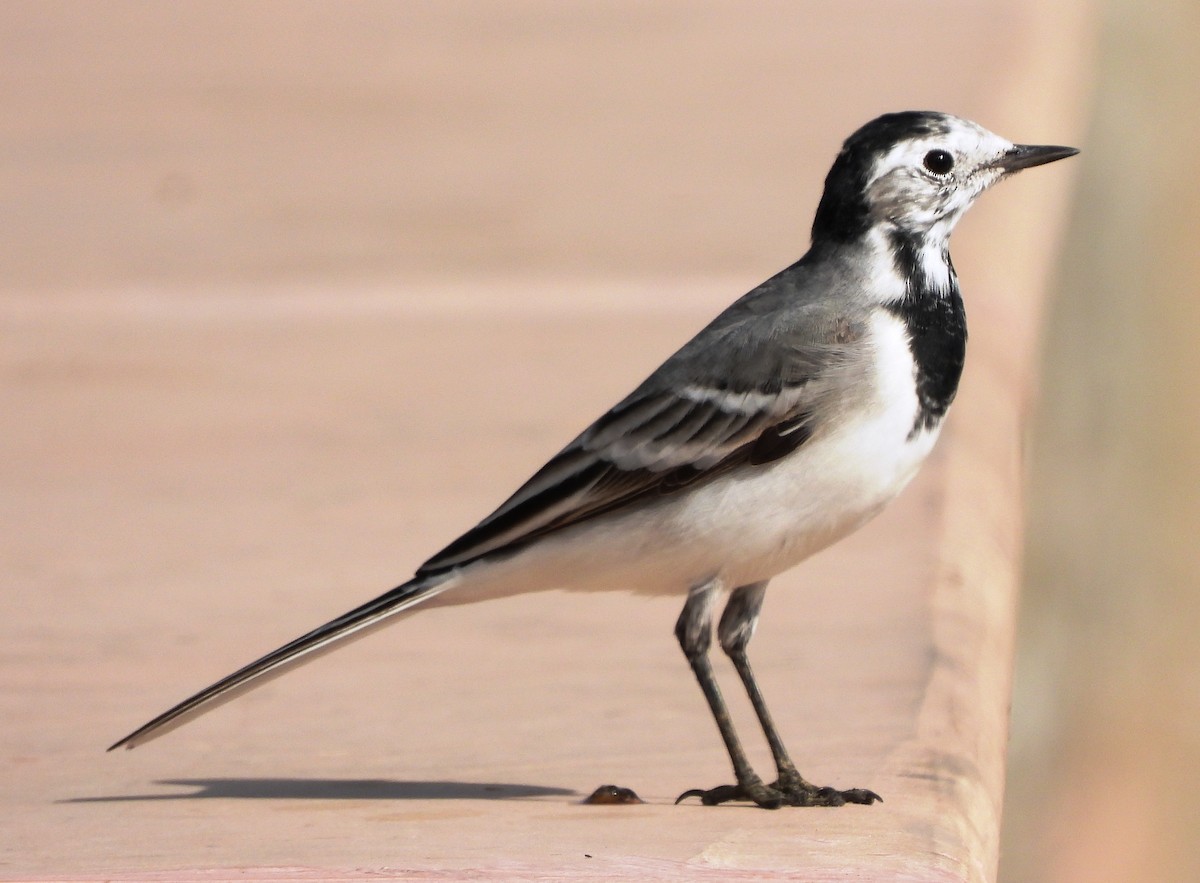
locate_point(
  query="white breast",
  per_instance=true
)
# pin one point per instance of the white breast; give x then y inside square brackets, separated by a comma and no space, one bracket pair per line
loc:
[770,520]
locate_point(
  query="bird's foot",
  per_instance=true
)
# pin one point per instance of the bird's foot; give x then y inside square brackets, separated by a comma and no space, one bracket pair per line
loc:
[750,791]
[786,791]
[798,792]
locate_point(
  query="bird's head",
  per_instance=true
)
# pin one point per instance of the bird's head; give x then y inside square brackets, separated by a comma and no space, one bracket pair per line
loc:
[915,173]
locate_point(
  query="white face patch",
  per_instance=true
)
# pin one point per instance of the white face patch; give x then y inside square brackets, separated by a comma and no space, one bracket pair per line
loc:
[910,187]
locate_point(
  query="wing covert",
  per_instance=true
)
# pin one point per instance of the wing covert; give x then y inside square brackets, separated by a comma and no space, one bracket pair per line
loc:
[684,425]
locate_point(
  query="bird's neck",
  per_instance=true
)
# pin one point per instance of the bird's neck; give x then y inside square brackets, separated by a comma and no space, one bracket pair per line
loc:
[921,261]
[931,308]
[896,265]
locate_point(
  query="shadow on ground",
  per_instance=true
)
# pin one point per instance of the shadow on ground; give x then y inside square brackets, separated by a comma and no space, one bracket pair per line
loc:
[335,789]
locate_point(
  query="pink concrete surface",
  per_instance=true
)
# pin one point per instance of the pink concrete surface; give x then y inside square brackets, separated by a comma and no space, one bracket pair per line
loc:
[195,470]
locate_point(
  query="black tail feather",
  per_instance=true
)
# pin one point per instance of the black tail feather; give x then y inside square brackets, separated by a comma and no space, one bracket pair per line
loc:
[354,624]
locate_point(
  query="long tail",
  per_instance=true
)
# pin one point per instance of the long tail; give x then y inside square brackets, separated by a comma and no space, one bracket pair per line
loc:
[355,624]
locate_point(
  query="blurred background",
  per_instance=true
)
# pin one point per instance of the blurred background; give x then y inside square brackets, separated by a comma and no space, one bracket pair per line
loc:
[186,151]
[1106,718]
[154,144]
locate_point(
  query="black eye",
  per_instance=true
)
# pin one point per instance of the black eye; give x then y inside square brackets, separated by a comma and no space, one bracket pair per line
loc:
[939,162]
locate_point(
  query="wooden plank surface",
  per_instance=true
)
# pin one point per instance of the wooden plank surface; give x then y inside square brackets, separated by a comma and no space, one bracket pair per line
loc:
[251,398]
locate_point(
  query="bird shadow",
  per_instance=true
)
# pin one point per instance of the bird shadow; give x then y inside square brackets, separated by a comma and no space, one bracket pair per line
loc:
[334,789]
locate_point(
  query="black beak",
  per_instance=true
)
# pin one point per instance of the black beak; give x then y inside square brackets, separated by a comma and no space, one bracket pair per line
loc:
[1025,156]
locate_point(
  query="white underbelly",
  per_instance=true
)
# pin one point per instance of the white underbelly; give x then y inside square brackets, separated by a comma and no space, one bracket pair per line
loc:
[771,520]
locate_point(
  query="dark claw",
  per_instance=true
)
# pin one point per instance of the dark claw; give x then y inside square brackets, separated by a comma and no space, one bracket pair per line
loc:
[828,796]
[758,793]
[780,794]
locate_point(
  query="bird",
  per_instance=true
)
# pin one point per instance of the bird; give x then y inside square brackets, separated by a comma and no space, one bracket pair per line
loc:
[784,425]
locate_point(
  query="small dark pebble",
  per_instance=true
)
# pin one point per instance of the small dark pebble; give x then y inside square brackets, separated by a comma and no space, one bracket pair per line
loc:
[608,795]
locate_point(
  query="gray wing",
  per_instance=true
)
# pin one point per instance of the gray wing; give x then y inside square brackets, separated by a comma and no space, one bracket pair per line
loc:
[750,388]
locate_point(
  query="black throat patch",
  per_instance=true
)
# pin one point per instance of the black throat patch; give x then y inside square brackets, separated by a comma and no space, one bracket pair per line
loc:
[937,332]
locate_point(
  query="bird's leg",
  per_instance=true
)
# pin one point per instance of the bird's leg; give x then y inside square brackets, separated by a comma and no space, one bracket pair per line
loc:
[734,632]
[694,631]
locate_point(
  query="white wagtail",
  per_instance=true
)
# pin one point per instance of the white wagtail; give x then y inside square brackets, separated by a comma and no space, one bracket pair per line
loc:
[783,426]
